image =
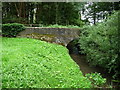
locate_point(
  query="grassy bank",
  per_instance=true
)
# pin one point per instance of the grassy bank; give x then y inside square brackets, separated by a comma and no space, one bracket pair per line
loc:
[30,63]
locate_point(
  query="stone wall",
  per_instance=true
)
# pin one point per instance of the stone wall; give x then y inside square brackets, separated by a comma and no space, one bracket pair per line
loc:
[54,35]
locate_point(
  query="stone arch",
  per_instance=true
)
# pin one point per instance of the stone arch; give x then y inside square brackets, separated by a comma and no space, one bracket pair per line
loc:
[54,35]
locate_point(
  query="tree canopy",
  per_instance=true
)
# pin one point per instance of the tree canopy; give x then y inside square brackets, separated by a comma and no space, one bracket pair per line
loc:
[41,13]
[62,13]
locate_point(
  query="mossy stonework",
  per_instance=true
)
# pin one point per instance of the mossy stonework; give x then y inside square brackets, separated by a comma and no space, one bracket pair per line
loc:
[54,35]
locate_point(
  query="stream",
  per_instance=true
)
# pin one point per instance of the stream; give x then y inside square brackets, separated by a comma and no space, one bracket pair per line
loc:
[86,68]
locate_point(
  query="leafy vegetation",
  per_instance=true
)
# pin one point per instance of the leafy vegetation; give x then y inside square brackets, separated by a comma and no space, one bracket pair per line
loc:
[11,30]
[98,11]
[100,43]
[36,64]
[62,13]
[96,79]
[46,13]
[61,26]
[30,63]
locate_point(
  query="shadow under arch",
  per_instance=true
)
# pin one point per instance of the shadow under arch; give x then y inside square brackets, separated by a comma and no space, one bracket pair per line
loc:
[73,46]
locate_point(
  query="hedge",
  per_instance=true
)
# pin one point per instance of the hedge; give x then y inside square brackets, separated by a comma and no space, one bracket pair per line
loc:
[12,29]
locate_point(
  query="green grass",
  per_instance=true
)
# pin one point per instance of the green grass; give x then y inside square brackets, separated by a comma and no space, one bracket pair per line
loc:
[59,26]
[30,63]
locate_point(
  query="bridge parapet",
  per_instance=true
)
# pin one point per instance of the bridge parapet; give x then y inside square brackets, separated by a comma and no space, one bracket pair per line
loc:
[55,35]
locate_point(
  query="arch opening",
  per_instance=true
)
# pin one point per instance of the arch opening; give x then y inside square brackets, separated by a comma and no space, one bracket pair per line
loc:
[73,46]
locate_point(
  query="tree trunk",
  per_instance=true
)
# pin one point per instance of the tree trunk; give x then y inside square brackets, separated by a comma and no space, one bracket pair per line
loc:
[94,16]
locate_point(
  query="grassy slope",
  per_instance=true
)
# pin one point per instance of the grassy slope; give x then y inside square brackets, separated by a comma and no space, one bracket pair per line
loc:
[34,63]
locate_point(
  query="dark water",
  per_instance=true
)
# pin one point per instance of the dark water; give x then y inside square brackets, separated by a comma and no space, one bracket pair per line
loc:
[86,68]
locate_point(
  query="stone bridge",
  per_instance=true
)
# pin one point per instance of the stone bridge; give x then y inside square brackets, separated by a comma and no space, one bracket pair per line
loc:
[54,35]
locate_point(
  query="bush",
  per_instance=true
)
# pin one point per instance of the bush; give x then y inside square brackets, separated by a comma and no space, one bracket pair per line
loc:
[96,79]
[100,43]
[11,30]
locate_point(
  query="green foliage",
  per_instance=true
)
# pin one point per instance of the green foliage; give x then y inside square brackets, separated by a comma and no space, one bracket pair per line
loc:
[30,63]
[100,43]
[55,26]
[63,13]
[14,19]
[96,11]
[96,79]
[61,26]
[12,29]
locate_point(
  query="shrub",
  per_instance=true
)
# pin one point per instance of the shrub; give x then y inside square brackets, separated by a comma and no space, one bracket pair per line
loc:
[12,29]
[96,79]
[100,43]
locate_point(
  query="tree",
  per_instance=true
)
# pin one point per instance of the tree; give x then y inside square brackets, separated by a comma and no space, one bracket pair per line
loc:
[45,13]
[98,11]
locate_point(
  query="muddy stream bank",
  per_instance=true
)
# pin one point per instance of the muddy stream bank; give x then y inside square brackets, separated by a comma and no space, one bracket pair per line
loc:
[86,68]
